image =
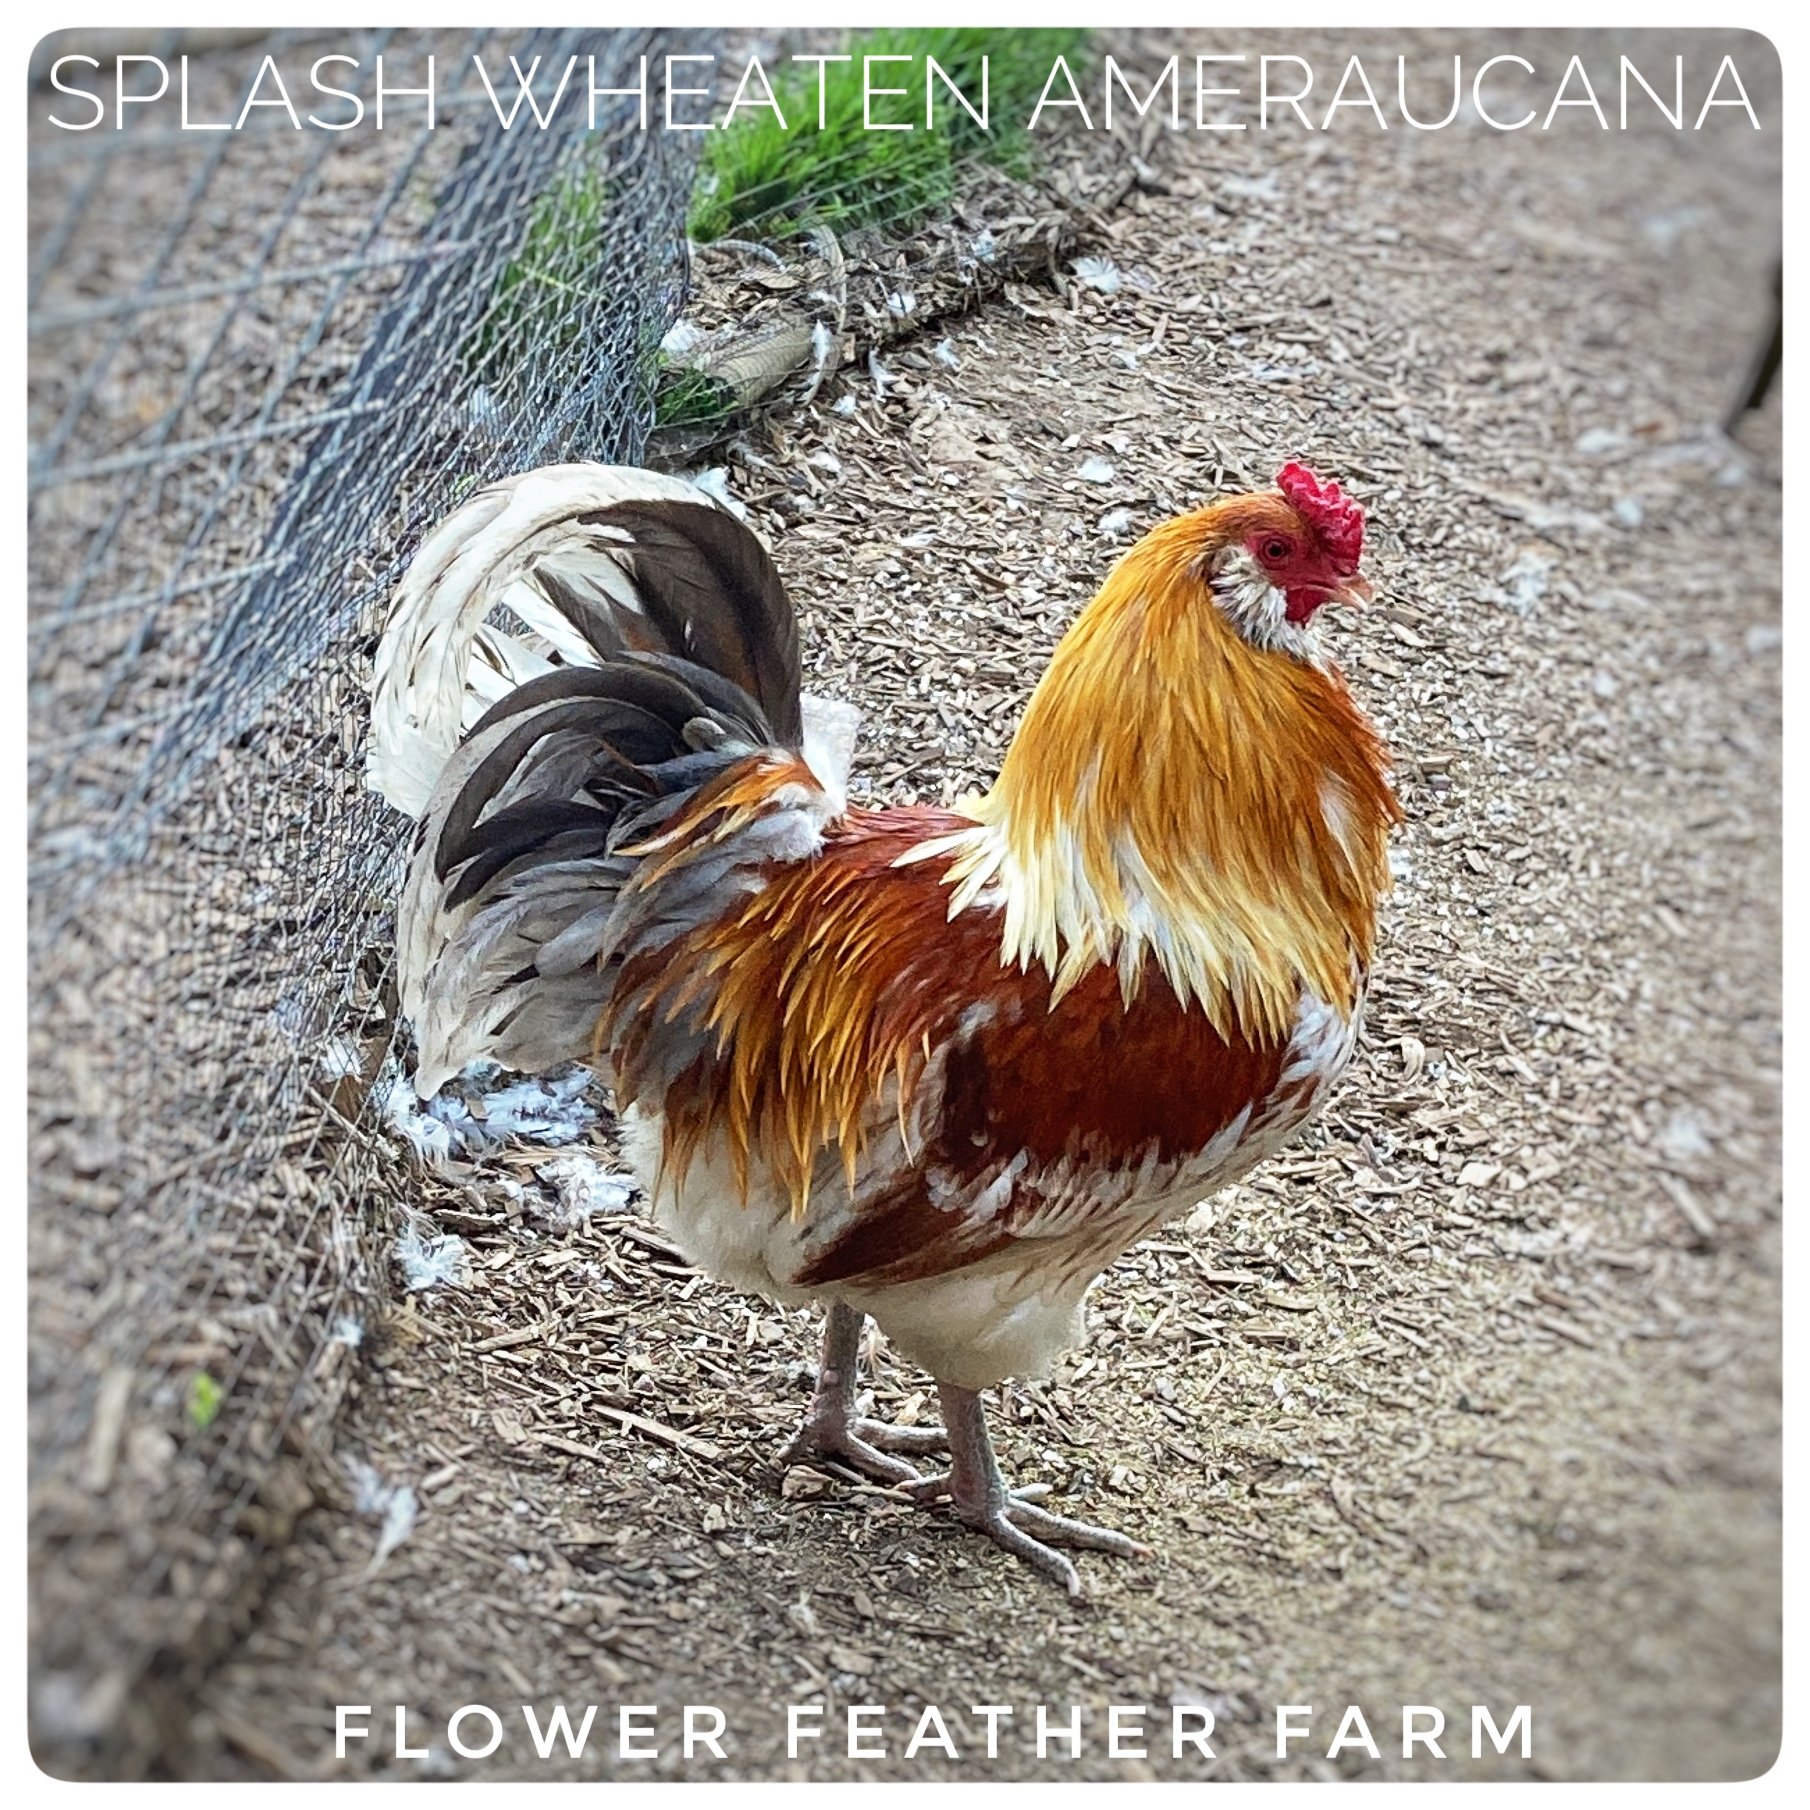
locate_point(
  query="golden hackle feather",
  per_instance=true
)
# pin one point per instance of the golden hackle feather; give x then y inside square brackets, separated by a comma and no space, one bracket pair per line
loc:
[1178,795]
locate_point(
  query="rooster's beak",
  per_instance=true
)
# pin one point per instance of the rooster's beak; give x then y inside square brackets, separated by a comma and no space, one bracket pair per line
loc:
[1352,591]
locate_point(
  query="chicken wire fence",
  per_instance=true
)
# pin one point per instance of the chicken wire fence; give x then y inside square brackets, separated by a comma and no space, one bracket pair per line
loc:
[261,363]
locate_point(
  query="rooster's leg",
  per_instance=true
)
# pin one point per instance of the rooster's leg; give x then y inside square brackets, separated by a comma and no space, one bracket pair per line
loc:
[980,1497]
[831,1427]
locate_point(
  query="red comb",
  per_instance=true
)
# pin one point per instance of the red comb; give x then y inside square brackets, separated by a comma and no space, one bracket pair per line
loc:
[1338,518]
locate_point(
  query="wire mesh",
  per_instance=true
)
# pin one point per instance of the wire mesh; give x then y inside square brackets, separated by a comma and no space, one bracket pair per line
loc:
[261,363]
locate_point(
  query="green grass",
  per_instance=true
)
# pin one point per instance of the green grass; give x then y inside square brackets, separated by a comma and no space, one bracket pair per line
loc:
[684,398]
[759,179]
[560,246]
[767,178]
[205,1397]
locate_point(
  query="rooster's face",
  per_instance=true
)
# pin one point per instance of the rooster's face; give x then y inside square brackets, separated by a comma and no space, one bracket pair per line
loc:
[1289,552]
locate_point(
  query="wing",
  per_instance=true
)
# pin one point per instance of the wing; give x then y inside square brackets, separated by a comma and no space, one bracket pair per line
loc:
[922,1105]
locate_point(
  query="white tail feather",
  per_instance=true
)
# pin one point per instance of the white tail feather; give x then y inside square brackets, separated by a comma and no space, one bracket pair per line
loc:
[441,665]
[435,675]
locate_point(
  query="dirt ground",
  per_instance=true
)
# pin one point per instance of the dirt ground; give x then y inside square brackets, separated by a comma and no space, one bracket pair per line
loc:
[1470,1398]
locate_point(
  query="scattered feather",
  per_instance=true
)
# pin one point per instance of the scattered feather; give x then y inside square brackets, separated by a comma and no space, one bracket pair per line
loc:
[463,1116]
[1599,442]
[582,1186]
[404,1112]
[549,1110]
[432,1260]
[370,1494]
[714,482]
[1683,1138]
[1665,227]
[682,336]
[1524,583]
[1101,274]
[398,1523]
[396,1503]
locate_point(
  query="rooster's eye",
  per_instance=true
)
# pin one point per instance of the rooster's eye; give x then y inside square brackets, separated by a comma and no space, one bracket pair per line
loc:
[1275,549]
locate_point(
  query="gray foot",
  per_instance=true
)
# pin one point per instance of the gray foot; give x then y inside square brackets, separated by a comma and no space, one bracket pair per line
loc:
[833,1431]
[1010,1518]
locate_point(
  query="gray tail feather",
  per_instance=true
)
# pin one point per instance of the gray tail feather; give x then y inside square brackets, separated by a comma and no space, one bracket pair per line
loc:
[517,865]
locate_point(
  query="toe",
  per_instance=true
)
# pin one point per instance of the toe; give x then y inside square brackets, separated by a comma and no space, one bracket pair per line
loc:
[931,1489]
[842,1446]
[1052,1564]
[888,1438]
[878,1465]
[1059,1530]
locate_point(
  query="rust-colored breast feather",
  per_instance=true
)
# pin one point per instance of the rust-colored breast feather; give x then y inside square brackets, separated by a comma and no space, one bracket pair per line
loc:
[1089,1090]
[1093,1081]
[845,974]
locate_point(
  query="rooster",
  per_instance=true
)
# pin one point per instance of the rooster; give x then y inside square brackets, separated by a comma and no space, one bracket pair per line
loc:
[940,1067]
